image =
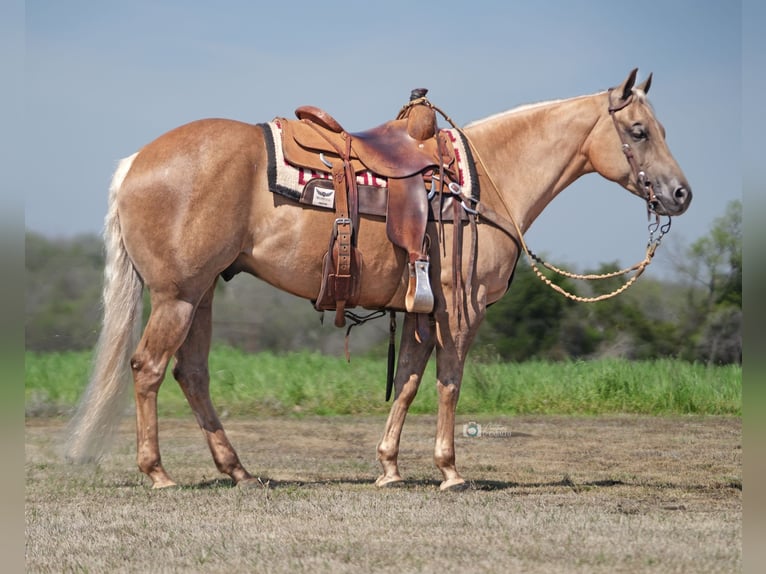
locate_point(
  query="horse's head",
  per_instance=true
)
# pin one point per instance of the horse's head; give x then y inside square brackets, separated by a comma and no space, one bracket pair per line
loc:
[635,154]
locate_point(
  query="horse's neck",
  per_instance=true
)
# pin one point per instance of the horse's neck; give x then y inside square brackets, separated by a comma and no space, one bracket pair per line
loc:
[533,152]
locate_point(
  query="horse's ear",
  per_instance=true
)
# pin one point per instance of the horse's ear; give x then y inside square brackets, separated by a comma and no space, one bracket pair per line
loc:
[626,88]
[646,84]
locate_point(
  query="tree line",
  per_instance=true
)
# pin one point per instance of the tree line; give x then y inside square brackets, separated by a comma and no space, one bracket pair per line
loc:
[696,315]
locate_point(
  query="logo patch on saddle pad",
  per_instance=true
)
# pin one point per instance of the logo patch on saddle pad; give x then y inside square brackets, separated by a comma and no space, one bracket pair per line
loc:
[313,187]
[324,197]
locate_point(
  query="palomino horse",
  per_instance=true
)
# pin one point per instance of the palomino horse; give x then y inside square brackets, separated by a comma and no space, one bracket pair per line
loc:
[195,202]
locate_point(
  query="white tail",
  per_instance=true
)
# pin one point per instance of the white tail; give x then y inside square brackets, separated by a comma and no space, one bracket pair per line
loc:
[99,413]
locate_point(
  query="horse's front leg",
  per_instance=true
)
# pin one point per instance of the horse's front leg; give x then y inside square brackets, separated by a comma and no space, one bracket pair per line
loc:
[413,357]
[454,339]
[449,375]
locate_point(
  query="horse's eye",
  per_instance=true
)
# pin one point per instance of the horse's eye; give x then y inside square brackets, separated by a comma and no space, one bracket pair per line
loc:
[638,132]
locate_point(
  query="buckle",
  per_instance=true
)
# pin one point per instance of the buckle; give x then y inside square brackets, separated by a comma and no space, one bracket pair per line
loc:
[341,221]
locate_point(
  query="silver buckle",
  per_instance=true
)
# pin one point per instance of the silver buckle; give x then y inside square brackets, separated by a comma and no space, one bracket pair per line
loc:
[341,221]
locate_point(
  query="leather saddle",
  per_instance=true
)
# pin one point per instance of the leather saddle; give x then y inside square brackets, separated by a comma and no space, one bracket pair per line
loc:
[412,154]
[387,150]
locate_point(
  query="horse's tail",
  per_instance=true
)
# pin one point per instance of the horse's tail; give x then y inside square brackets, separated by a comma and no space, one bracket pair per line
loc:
[99,413]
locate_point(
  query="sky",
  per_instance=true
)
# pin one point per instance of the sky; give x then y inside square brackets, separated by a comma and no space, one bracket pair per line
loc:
[104,78]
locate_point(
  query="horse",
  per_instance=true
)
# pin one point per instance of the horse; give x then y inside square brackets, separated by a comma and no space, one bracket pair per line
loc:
[195,202]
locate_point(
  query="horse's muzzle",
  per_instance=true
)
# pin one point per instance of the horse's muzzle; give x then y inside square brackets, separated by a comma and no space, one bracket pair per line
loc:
[674,203]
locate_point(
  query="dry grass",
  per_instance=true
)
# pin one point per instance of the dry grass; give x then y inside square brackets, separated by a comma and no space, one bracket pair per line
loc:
[561,494]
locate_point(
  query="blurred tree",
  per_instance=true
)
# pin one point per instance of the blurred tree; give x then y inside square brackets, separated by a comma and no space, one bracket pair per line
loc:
[63,289]
[535,321]
[527,321]
[715,261]
[713,268]
[720,339]
[636,324]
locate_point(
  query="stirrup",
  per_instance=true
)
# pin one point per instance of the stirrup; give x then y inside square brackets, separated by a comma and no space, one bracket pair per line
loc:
[419,298]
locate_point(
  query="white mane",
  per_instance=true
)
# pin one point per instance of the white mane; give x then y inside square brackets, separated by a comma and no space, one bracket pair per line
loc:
[522,109]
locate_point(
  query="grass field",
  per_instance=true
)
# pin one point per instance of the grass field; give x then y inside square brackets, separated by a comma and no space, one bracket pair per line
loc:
[306,383]
[627,493]
[607,466]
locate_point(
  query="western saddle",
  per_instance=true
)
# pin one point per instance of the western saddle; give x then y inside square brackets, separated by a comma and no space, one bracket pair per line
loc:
[416,158]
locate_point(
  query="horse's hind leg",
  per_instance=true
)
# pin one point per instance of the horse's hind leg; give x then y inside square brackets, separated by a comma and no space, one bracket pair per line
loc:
[191,372]
[165,331]
[413,357]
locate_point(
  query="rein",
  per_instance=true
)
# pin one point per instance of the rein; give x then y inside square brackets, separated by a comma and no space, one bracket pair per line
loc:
[511,228]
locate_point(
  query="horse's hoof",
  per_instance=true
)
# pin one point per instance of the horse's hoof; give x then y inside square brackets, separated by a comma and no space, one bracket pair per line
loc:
[453,485]
[163,485]
[389,482]
[248,483]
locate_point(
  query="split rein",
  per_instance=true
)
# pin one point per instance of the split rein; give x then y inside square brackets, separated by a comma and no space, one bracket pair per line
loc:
[651,247]
[656,230]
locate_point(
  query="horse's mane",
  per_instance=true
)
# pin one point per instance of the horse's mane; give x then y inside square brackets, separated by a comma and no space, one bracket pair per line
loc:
[534,106]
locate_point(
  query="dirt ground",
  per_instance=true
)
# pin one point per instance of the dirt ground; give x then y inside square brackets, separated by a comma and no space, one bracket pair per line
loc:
[558,494]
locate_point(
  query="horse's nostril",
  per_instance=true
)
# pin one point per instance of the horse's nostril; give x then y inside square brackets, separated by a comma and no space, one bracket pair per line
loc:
[681,193]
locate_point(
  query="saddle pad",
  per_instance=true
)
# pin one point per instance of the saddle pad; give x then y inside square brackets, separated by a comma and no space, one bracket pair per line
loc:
[291,181]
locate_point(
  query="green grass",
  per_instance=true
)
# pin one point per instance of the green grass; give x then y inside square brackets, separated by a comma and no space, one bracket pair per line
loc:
[604,386]
[309,383]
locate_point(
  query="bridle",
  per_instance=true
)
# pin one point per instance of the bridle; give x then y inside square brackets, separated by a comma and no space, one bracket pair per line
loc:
[643,181]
